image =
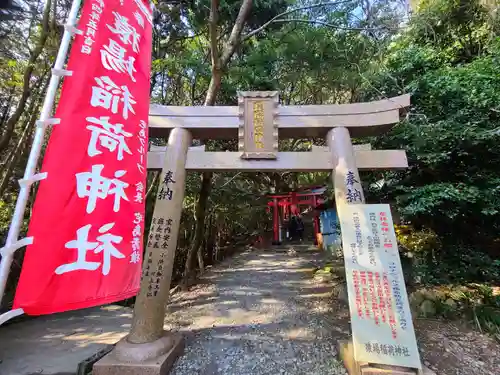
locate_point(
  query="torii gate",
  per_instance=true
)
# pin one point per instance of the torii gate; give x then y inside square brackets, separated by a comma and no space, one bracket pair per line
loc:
[289,203]
[257,122]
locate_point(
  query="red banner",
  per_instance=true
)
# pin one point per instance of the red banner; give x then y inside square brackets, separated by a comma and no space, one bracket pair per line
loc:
[88,217]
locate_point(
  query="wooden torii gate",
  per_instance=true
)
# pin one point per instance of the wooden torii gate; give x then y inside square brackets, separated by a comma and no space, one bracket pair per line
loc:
[257,122]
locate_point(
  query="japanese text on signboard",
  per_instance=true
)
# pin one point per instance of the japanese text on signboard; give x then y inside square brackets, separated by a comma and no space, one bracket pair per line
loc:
[158,240]
[258,124]
[353,188]
[380,313]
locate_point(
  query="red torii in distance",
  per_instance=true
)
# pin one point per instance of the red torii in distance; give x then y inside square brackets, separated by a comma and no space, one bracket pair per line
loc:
[290,202]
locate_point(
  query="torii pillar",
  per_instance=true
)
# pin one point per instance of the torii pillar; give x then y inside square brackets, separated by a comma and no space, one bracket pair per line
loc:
[345,175]
[348,190]
[149,349]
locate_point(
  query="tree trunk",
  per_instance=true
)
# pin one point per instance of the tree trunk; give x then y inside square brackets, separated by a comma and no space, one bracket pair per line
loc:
[5,112]
[219,62]
[213,87]
[206,185]
[211,238]
[12,121]
[154,182]
[16,154]
[217,239]
[199,254]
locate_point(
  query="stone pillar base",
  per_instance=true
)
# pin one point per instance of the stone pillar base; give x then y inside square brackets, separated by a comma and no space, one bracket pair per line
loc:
[156,358]
[346,353]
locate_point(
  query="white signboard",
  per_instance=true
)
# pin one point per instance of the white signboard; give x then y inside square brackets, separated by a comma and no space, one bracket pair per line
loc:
[382,326]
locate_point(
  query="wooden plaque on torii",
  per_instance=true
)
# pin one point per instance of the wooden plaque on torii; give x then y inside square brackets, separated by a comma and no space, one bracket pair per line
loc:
[258,129]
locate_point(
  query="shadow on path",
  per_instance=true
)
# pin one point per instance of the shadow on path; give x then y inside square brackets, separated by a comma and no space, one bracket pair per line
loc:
[258,313]
[55,344]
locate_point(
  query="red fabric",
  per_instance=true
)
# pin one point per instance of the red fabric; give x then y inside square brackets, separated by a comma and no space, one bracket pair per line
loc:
[87,148]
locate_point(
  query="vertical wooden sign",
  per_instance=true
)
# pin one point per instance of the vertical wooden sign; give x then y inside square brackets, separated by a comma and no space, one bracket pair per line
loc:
[382,326]
[258,129]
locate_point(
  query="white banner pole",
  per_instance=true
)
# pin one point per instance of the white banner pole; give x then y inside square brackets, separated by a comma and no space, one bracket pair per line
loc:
[30,176]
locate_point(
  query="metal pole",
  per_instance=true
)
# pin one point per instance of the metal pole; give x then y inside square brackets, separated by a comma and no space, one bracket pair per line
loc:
[29,174]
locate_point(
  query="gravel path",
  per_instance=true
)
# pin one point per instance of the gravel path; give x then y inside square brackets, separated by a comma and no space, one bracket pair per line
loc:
[258,313]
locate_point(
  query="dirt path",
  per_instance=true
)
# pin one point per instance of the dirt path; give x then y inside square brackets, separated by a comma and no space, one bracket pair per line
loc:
[254,315]
[261,312]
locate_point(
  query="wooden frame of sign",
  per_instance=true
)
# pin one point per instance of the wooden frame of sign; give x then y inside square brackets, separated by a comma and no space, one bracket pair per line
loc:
[383,338]
[258,128]
[346,354]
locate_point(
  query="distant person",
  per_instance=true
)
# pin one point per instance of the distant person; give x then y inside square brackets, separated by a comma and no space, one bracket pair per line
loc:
[293,227]
[300,228]
[287,226]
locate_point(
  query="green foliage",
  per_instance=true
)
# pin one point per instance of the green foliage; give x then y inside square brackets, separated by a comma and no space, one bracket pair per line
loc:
[477,303]
[456,263]
[451,137]
[459,28]
[448,60]
[414,241]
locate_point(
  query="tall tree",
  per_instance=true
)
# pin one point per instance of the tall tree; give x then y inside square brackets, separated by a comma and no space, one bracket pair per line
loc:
[447,60]
[220,59]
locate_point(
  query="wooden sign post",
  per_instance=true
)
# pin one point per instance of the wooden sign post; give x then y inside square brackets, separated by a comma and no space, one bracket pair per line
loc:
[382,326]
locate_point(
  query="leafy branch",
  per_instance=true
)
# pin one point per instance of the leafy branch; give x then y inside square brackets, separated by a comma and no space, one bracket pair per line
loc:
[279,17]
